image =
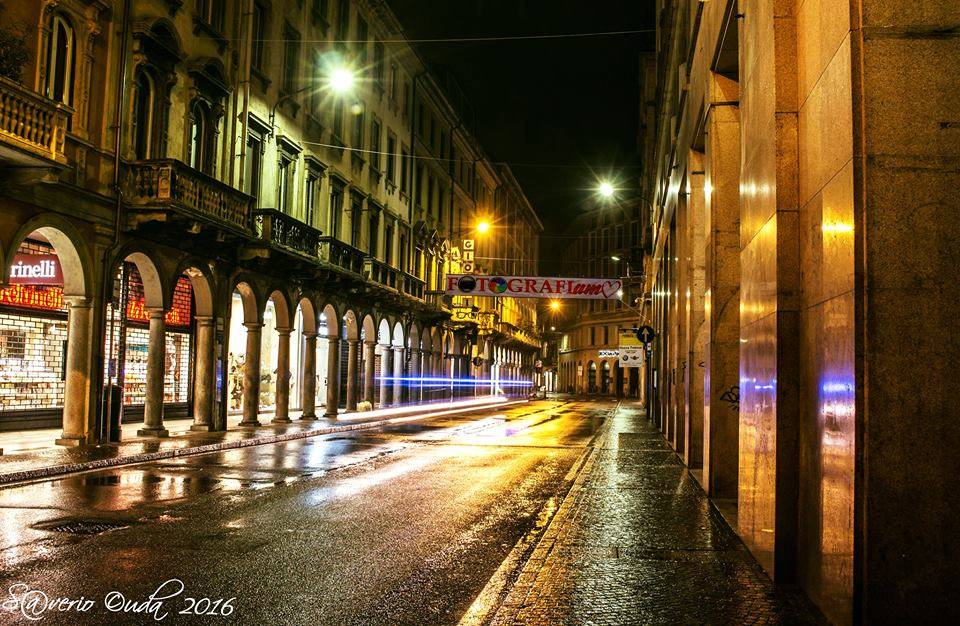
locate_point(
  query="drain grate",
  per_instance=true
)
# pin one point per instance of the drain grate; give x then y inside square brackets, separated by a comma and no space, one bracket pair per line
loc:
[86,527]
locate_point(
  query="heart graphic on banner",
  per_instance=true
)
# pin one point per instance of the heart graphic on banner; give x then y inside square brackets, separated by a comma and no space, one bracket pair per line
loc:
[610,288]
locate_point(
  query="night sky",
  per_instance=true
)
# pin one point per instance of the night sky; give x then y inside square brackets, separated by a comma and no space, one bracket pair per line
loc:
[557,110]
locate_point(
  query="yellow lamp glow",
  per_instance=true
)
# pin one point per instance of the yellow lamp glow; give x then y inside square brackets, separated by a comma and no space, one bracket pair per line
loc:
[483,227]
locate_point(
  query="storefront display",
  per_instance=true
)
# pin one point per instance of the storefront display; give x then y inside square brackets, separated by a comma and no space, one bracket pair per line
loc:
[33,339]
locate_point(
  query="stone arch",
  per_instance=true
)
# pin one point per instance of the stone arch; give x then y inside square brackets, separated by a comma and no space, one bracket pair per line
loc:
[369,326]
[330,316]
[155,291]
[252,311]
[413,336]
[201,283]
[384,337]
[351,325]
[398,335]
[282,308]
[308,312]
[69,246]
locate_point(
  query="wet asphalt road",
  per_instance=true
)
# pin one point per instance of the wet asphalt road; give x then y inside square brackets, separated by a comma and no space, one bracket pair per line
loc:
[399,525]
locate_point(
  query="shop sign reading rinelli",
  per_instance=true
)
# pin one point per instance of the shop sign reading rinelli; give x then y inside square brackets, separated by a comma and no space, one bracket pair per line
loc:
[533,287]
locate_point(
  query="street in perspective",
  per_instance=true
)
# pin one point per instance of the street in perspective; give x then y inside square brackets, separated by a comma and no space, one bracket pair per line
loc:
[479,313]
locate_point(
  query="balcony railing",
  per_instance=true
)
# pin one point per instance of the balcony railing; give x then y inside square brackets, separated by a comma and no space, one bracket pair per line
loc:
[413,286]
[381,273]
[286,233]
[170,183]
[341,254]
[31,122]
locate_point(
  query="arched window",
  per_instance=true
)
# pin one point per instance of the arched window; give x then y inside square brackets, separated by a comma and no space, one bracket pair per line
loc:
[199,132]
[60,60]
[144,107]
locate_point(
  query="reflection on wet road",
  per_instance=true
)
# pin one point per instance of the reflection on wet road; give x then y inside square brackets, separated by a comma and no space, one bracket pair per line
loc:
[403,524]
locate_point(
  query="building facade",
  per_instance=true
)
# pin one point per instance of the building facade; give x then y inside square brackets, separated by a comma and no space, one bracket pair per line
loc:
[603,243]
[800,276]
[229,231]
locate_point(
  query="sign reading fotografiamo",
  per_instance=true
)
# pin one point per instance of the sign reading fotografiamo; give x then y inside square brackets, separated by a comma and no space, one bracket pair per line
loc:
[533,287]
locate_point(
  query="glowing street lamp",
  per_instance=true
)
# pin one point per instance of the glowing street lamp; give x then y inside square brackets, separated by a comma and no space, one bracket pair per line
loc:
[554,305]
[606,189]
[341,80]
[483,227]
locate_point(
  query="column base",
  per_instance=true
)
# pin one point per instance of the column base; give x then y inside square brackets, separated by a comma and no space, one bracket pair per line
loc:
[281,420]
[153,432]
[71,442]
[246,424]
[201,428]
[310,417]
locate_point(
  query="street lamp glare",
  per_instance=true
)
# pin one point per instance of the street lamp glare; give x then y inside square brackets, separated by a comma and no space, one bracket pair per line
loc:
[341,79]
[614,258]
[483,227]
[554,305]
[606,189]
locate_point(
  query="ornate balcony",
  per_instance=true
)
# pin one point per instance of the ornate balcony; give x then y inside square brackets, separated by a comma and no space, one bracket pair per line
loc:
[31,125]
[381,273]
[518,335]
[412,286]
[166,188]
[342,255]
[283,232]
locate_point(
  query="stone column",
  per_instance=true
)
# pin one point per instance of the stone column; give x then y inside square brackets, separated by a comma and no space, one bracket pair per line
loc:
[369,371]
[251,375]
[156,366]
[308,399]
[386,371]
[282,412]
[398,362]
[203,383]
[414,387]
[426,371]
[333,377]
[353,356]
[76,392]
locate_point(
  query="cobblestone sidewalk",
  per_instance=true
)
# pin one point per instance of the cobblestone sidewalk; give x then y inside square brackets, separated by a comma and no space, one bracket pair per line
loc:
[637,542]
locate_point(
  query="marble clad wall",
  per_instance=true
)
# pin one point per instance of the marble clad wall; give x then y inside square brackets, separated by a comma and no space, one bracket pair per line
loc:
[769,315]
[907,199]
[827,428]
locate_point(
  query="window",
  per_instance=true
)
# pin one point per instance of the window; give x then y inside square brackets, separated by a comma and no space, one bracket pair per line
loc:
[338,120]
[404,169]
[252,164]
[620,236]
[320,10]
[388,243]
[336,207]
[285,181]
[343,23]
[356,216]
[291,56]
[211,13]
[61,58]
[375,144]
[358,127]
[430,194]
[406,100]
[403,253]
[378,64]
[418,183]
[394,82]
[417,259]
[443,144]
[391,157]
[361,44]
[313,95]
[201,137]
[258,47]
[143,114]
[310,193]
[593,333]
[373,233]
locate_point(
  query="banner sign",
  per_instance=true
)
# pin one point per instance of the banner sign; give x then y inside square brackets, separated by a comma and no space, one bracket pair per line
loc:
[36,269]
[533,287]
